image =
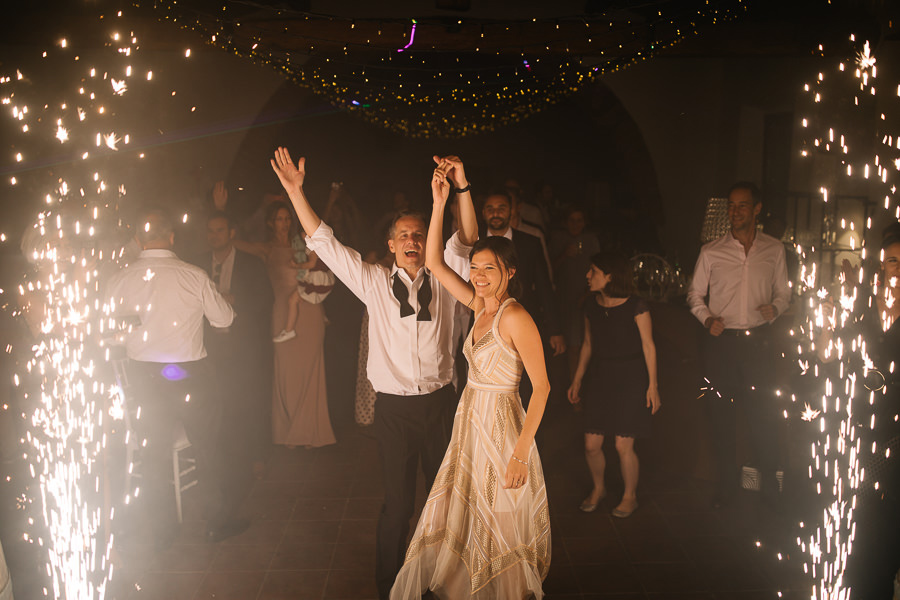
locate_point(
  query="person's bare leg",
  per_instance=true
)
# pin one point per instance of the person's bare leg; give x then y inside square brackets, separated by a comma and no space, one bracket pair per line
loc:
[630,469]
[593,453]
[293,309]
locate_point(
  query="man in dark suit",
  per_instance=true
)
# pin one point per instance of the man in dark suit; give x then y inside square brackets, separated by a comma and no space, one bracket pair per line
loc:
[537,297]
[533,275]
[242,352]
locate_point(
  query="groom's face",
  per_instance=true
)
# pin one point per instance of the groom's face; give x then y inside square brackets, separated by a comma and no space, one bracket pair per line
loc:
[408,243]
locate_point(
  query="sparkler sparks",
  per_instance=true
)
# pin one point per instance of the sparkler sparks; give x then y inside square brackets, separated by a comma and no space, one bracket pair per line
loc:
[66,382]
[833,328]
[809,413]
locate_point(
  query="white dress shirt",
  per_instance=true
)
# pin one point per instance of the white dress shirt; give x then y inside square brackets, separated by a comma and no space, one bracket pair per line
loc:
[406,357]
[171,297]
[739,283]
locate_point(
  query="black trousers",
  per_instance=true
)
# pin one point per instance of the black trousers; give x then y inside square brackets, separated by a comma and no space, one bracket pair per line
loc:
[408,429]
[741,369]
[167,393]
[243,385]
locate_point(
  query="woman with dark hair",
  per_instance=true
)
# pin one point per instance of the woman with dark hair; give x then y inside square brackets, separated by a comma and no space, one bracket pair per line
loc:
[299,400]
[619,358]
[485,529]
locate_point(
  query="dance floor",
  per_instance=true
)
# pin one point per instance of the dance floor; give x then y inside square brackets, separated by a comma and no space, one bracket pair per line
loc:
[313,519]
[313,531]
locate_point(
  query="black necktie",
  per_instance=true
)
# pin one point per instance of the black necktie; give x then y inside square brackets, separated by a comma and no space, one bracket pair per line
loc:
[216,273]
[424,297]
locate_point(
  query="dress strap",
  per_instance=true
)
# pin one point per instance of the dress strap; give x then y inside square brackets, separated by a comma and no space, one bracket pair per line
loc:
[495,331]
[500,312]
[471,336]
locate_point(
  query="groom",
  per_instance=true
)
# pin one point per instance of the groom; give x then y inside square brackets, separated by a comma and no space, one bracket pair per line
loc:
[411,335]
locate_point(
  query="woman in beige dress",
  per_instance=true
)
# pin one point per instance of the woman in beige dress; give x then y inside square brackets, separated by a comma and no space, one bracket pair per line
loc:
[484,533]
[299,399]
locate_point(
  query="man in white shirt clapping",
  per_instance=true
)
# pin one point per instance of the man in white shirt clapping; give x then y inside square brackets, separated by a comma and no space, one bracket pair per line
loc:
[411,353]
[745,276]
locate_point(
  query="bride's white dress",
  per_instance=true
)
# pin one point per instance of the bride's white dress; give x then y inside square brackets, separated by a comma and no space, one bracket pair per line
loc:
[476,539]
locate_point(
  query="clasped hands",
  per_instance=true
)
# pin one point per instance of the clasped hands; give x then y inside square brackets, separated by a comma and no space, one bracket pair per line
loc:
[449,170]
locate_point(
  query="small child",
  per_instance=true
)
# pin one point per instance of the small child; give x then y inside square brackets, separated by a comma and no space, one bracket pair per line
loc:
[314,282]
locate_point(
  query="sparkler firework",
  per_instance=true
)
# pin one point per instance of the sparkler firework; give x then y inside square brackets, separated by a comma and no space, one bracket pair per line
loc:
[846,134]
[66,382]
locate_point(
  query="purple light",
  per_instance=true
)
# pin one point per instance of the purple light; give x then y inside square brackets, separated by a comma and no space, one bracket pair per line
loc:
[412,36]
[174,373]
[527,66]
[354,103]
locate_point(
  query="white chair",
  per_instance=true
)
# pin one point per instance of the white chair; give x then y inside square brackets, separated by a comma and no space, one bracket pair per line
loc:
[6,592]
[182,466]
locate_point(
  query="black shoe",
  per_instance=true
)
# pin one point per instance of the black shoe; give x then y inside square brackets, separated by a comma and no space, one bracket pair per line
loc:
[226,530]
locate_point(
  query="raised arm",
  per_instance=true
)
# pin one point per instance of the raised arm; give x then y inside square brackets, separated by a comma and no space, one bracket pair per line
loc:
[468,222]
[291,177]
[518,325]
[434,254]
[257,249]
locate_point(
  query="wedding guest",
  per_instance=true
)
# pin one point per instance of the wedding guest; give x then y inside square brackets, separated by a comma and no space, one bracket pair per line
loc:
[410,350]
[299,396]
[618,357]
[531,214]
[485,528]
[571,250]
[241,353]
[537,290]
[745,277]
[170,373]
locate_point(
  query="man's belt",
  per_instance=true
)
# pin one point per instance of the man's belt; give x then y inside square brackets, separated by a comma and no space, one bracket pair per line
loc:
[753,331]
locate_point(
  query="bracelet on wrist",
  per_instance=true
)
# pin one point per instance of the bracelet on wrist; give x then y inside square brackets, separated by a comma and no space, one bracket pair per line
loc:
[464,190]
[519,460]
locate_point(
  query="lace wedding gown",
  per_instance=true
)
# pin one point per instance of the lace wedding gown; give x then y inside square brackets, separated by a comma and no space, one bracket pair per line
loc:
[476,539]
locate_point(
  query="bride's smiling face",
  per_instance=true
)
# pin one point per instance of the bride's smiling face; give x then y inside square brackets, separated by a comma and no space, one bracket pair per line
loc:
[488,275]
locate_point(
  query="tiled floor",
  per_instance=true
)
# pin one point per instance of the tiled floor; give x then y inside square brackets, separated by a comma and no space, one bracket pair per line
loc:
[313,530]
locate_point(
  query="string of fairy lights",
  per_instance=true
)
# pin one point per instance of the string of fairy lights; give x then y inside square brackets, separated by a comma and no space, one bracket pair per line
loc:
[431,77]
[848,129]
[78,101]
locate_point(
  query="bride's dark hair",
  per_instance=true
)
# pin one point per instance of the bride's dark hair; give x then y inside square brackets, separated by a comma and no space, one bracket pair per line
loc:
[505,252]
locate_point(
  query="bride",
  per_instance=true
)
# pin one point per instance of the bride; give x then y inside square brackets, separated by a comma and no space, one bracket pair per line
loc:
[484,532]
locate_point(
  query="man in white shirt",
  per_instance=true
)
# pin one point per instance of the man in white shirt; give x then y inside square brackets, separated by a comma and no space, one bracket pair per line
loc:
[169,373]
[745,276]
[411,336]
